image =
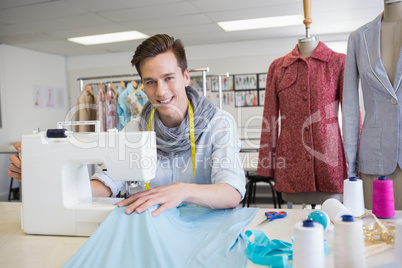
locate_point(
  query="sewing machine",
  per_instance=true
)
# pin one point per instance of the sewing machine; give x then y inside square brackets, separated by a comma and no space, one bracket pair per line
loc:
[56,192]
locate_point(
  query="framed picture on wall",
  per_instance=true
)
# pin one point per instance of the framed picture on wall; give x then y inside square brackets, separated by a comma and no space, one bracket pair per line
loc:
[227,83]
[247,98]
[214,84]
[262,81]
[245,81]
[196,82]
[261,97]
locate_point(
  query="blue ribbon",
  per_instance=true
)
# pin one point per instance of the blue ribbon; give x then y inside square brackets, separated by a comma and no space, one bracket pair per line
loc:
[275,253]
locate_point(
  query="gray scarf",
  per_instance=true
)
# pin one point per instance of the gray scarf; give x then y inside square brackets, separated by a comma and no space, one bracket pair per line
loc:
[177,140]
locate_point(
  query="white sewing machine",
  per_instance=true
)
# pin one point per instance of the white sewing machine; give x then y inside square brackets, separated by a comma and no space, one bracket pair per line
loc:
[56,193]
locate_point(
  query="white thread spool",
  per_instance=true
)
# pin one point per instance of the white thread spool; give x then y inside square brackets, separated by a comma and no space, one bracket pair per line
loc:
[353,198]
[308,247]
[349,243]
[398,242]
[334,209]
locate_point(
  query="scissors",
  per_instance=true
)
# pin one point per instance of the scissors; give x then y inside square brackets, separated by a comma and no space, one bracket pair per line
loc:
[272,215]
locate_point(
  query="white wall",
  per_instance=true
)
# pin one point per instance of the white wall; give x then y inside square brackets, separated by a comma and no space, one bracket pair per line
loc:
[20,71]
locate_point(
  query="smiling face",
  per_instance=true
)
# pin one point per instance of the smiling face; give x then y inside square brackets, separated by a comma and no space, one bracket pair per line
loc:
[164,84]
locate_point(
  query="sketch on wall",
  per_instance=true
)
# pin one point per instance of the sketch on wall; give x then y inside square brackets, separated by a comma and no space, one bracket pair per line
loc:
[44,97]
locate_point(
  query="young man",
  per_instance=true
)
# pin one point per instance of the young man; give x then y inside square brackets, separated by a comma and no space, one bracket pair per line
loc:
[218,178]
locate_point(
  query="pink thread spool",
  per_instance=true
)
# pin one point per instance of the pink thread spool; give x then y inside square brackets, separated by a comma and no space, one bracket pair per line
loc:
[383,198]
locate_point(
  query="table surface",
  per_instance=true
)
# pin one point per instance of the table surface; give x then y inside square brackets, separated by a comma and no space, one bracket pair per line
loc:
[18,249]
[7,149]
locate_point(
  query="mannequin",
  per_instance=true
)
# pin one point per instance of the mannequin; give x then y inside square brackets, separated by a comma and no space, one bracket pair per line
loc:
[306,47]
[308,44]
[391,36]
[391,42]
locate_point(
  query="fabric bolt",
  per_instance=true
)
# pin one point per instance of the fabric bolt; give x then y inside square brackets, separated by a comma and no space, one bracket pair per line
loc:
[123,111]
[186,236]
[302,96]
[86,111]
[101,109]
[378,150]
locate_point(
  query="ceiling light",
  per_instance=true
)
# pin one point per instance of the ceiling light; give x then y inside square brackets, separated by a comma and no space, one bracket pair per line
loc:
[251,24]
[108,38]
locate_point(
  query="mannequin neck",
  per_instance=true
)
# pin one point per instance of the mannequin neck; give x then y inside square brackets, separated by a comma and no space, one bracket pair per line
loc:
[307,48]
[392,12]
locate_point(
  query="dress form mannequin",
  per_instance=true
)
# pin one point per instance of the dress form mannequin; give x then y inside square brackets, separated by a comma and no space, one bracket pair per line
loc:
[391,43]
[306,48]
[391,37]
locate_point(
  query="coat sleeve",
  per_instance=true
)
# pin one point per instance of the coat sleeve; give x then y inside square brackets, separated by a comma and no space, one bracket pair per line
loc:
[350,109]
[269,129]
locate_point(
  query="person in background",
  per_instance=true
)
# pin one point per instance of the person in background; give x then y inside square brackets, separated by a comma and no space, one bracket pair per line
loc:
[218,180]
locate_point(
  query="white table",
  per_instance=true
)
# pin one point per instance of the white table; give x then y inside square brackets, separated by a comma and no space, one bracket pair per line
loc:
[18,249]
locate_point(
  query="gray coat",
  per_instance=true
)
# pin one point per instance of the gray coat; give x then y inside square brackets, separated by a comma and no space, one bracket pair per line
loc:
[380,148]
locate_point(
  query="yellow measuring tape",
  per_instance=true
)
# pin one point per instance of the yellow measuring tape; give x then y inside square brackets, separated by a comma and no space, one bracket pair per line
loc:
[192,136]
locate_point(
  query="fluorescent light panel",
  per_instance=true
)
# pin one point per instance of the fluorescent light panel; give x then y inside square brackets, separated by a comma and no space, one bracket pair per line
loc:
[261,23]
[108,38]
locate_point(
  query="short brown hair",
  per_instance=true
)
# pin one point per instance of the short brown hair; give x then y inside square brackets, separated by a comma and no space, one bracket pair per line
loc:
[158,44]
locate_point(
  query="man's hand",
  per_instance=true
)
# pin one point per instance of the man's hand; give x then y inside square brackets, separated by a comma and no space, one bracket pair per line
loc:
[15,165]
[215,196]
[167,196]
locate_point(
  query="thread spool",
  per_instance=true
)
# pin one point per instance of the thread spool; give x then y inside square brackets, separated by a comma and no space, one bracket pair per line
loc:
[353,198]
[334,209]
[349,243]
[56,133]
[383,198]
[398,242]
[308,246]
[321,217]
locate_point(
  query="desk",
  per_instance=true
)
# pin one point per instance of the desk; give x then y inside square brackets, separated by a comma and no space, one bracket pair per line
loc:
[18,249]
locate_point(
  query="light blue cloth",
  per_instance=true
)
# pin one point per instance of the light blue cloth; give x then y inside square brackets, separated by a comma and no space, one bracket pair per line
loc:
[273,253]
[122,108]
[142,97]
[181,237]
[217,159]
[263,251]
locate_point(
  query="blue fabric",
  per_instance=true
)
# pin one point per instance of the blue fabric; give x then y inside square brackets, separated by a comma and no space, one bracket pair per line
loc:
[274,253]
[186,236]
[143,97]
[123,111]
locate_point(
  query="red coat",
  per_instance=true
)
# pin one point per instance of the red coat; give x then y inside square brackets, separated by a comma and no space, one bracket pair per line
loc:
[307,154]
